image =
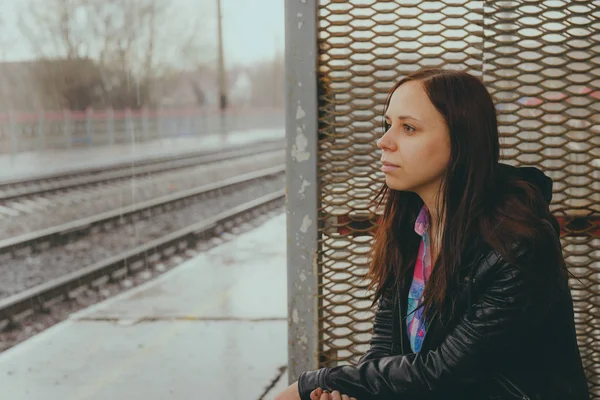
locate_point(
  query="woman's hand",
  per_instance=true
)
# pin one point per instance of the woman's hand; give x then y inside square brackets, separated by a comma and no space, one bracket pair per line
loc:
[290,393]
[319,394]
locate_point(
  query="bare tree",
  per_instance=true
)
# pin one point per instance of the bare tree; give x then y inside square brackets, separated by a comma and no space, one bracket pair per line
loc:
[99,53]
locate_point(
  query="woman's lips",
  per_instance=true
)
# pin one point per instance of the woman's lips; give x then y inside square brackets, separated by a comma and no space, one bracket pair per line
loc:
[388,167]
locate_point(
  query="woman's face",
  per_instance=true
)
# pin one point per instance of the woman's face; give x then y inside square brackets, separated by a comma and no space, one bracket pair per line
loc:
[416,147]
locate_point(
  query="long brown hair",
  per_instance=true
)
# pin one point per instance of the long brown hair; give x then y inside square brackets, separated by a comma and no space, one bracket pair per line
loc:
[484,206]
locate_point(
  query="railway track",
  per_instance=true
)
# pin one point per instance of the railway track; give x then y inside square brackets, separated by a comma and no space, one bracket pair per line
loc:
[48,211]
[38,298]
[18,190]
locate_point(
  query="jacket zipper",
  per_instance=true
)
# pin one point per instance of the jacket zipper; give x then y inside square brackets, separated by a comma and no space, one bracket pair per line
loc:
[504,382]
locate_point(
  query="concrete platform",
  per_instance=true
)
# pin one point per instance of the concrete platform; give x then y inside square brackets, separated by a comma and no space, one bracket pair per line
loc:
[30,164]
[215,327]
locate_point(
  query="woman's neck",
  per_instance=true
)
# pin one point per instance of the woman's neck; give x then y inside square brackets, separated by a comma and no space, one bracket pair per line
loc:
[429,195]
[435,241]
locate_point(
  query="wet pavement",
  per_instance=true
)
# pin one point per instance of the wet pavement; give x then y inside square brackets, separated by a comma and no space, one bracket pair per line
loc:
[28,164]
[215,327]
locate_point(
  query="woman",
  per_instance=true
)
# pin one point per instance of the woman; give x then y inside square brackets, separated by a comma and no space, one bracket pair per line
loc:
[466,265]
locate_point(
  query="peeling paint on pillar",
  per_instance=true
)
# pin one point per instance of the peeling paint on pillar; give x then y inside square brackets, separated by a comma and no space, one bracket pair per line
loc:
[302,201]
[299,148]
[300,20]
[306,223]
[305,184]
[301,142]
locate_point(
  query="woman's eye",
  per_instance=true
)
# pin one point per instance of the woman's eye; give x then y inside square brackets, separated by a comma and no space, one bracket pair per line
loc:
[407,128]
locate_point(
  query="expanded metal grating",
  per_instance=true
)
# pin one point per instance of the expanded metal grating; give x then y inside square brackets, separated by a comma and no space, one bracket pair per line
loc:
[541,62]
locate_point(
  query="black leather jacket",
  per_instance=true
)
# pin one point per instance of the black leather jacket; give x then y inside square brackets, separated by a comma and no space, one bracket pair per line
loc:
[504,345]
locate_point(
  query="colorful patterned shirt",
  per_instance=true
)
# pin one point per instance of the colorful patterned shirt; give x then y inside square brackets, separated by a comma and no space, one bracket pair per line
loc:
[415,322]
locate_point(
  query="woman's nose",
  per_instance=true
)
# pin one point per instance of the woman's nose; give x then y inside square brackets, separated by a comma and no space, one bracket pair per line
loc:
[385,142]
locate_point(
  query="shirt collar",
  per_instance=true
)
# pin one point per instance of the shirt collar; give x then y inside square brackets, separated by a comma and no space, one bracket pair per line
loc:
[422,222]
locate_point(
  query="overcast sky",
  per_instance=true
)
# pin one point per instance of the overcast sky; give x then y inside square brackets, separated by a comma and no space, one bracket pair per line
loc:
[252,29]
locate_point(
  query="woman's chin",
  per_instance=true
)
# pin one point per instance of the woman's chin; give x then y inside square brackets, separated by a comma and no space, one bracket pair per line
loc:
[396,184]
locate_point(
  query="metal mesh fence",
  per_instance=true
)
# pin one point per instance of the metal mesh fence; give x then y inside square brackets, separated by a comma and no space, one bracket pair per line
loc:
[541,62]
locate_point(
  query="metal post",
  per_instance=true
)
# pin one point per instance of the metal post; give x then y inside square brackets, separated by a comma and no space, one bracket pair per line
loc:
[110,122]
[67,128]
[302,185]
[88,126]
[222,85]
[129,126]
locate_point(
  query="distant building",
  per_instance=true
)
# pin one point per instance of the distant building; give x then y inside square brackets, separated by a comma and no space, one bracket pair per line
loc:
[201,88]
[19,90]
